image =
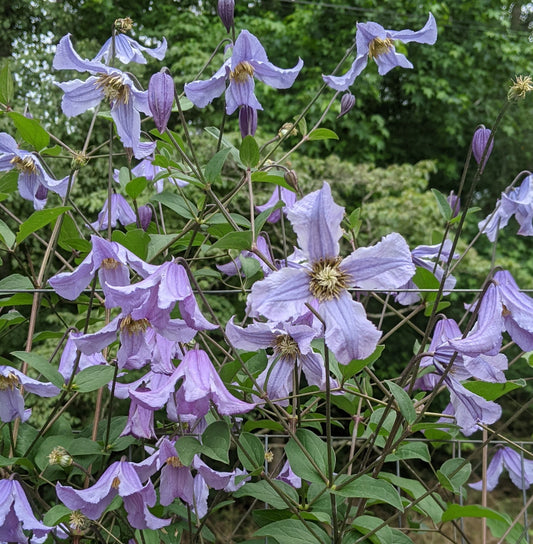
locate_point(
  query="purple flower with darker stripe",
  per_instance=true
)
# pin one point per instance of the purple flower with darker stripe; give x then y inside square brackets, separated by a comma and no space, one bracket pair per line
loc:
[105,83]
[325,277]
[375,42]
[520,470]
[247,61]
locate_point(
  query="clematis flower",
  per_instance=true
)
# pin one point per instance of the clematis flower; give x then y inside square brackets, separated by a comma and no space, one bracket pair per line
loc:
[520,470]
[33,181]
[161,98]
[11,399]
[124,479]
[128,50]
[121,212]
[234,267]
[69,355]
[247,61]
[278,194]
[374,42]
[16,515]
[126,101]
[325,277]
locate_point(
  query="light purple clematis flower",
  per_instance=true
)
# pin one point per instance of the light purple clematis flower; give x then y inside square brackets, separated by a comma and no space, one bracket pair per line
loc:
[129,50]
[520,470]
[375,42]
[69,356]
[124,479]
[234,267]
[11,399]
[33,182]
[279,194]
[16,516]
[325,277]
[247,61]
[121,212]
[126,101]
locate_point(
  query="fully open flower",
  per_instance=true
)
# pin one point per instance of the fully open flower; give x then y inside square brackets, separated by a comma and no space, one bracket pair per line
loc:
[248,60]
[377,43]
[105,83]
[325,277]
[33,182]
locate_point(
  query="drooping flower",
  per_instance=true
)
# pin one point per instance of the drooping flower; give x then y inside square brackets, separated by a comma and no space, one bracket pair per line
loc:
[479,143]
[161,98]
[16,516]
[247,61]
[11,399]
[278,194]
[234,267]
[121,212]
[33,181]
[325,277]
[128,50]
[377,43]
[520,470]
[105,83]
[69,356]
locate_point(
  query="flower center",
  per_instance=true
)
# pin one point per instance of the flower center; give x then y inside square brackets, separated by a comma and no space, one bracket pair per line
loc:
[174,461]
[8,382]
[113,88]
[110,264]
[378,47]
[26,165]
[242,72]
[285,346]
[134,326]
[505,311]
[327,279]
[115,483]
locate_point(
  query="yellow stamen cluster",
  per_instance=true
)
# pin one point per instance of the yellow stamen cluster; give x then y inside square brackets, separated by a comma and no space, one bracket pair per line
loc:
[115,483]
[60,456]
[328,281]
[110,264]
[174,461]
[269,456]
[26,165]
[378,47]
[9,382]
[77,521]
[286,347]
[242,72]
[520,87]
[505,311]
[113,88]
[124,25]
[134,326]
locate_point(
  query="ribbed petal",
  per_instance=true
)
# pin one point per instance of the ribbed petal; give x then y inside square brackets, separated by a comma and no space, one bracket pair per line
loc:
[247,47]
[66,58]
[520,469]
[253,337]
[342,83]
[193,316]
[241,94]
[277,379]
[349,334]
[129,50]
[494,471]
[275,77]
[387,61]
[386,265]
[314,369]
[202,93]
[282,295]
[8,144]
[517,303]
[80,96]
[316,219]
[96,342]
[139,516]
[427,34]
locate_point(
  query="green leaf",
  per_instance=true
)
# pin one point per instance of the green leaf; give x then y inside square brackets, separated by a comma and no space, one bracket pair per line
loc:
[184,208]
[68,234]
[251,452]
[249,152]
[6,85]
[498,528]
[493,391]
[456,511]
[444,208]
[39,363]
[53,151]
[454,473]
[7,234]
[265,177]
[234,240]
[294,531]
[56,514]
[234,152]
[264,492]
[365,524]
[366,487]
[404,401]
[187,447]
[30,130]
[355,366]
[322,134]
[214,166]
[135,187]
[84,446]
[15,282]
[317,450]
[263,216]
[93,377]
[38,220]
[136,240]
[216,441]
[410,450]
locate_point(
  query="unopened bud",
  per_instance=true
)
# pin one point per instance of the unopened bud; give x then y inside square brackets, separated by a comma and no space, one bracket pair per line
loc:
[479,143]
[145,216]
[291,178]
[225,11]
[455,203]
[79,161]
[161,98]
[521,86]
[123,25]
[60,456]
[287,128]
[247,121]
[347,103]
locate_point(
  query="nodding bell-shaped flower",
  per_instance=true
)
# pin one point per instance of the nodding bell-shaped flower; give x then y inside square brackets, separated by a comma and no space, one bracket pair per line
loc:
[161,98]
[479,143]
[225,11]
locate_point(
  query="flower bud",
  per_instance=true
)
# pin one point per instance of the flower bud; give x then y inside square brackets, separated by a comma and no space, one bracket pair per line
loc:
[479,143]
[247,121]
[347,103]
[291,178]
[225,11]
[145,216]
[455,203]
[161,98]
